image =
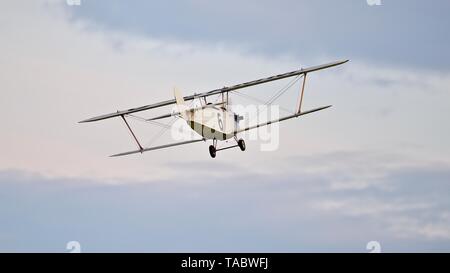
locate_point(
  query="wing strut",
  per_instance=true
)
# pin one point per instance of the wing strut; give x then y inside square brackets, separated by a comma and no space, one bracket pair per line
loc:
[132,133]
[300,99]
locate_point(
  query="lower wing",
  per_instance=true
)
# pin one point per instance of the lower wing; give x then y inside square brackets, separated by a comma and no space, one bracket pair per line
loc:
[158,147]
[236,132]
[281,119]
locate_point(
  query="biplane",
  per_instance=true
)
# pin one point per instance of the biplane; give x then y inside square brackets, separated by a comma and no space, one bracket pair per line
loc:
[214,121]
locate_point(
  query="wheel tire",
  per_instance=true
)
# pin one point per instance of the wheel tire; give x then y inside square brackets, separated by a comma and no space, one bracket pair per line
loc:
[241,144]
[212,151]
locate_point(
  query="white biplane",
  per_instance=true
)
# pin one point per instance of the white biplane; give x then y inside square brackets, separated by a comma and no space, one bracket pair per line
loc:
[214,121]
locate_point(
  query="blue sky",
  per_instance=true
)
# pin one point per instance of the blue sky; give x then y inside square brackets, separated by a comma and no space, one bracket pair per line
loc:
[400,33]
[376,166]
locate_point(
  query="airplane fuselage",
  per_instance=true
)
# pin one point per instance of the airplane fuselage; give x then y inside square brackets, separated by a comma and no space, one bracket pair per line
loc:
[213,122]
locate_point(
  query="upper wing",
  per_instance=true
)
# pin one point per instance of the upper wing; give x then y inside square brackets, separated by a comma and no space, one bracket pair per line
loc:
[269,79]
[130,111]
[158,147]
[281,119]
[217,91]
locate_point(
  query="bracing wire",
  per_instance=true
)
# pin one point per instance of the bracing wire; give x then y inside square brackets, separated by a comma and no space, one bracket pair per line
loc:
[246,96]
[164,130]
[274,97]
[148,121]
[282,90]
[161,132]
[271,100]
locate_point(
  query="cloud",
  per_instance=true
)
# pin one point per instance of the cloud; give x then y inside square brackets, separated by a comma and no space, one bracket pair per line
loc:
[75,70]
[401,33]
[408,201]
[57,71]
[292,212]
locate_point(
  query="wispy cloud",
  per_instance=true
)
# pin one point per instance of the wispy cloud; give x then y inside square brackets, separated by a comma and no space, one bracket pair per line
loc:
[297,211]
[402,33]
[74,71]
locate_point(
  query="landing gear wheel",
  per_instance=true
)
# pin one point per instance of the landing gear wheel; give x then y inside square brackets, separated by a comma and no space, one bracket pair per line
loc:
[241,144]
[212,151]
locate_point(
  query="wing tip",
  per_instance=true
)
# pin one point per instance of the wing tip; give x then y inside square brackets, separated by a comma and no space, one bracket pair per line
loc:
[343,61]
[127,153]
[89,120]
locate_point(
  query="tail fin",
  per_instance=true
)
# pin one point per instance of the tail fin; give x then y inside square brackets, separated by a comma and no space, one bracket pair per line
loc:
[178,97]
[182,107]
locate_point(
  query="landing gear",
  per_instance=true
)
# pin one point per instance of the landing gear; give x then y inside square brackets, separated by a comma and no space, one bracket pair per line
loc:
[241,144]
[212,151]
[213,148]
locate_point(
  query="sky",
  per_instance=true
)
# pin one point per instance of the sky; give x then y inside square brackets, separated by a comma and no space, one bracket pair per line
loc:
[374,167]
